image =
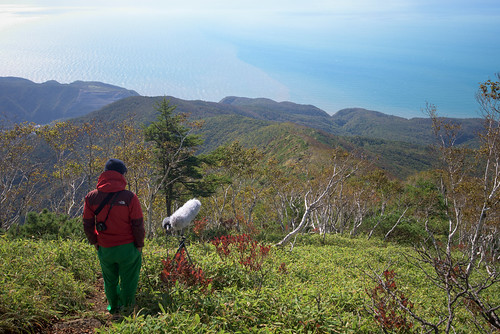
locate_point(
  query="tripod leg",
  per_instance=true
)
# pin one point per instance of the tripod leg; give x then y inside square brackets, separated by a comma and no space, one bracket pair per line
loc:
[182,245]
[189,257]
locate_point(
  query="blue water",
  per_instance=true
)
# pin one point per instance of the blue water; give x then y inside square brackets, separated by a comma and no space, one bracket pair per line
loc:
[395,69]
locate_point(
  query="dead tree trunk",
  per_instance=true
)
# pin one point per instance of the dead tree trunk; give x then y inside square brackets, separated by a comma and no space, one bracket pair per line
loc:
[340,174]
[397,223]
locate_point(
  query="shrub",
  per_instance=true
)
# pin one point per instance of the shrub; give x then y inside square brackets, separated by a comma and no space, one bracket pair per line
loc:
[387,300]
[202,230]
[180,269]
[48,225]
[243,249]
[42,281]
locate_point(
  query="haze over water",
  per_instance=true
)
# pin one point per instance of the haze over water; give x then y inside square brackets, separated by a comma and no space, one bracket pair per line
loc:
[391,56]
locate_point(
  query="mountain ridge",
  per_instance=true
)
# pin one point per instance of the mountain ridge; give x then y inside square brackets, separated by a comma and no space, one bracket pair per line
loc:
[294,131]
[287,141]
[24,100]
[375,124]
[353,122]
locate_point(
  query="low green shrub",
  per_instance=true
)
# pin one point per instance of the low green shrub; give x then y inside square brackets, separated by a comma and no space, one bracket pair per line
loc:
[311,289]
[48,225]
[319,287]
[42,281]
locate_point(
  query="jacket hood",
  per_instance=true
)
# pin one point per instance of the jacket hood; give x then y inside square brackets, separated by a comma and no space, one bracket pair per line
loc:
[111,181]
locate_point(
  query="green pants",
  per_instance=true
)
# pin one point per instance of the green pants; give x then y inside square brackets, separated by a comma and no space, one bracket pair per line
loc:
[120,266]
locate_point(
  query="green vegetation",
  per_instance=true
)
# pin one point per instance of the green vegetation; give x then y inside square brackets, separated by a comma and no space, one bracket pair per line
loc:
[48,225]
[43,281]
[299,230]
[322,286]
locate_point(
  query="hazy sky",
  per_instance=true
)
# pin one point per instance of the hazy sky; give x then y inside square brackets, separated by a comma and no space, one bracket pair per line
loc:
[392,55]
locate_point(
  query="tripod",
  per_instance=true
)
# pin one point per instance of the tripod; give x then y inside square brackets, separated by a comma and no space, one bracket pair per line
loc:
[182,245]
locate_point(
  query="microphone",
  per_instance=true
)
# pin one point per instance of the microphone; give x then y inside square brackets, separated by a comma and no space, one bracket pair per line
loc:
[183,216]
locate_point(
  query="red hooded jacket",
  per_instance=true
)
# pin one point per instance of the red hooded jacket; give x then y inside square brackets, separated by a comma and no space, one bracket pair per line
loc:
[125,221]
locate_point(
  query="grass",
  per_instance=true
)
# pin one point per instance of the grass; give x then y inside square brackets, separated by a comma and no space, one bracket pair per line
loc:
[42,281]
[317,288]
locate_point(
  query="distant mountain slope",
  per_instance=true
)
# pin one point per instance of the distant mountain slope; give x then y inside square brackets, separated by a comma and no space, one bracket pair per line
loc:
[259,109]
[352,121]
[286,141]
[23,100]
[286,130]
[144,109]
[374,124]
[270,110]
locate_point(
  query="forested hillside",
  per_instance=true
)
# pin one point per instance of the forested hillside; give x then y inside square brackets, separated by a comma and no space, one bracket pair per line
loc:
[265,187]
[258,127]
[23,100]
[374,124]
[346,122]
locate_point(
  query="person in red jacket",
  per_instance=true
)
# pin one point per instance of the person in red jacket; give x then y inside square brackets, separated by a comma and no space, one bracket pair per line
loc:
[119,244]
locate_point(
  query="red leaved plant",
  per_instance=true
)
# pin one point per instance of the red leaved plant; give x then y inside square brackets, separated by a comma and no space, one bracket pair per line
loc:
[390,306]
[200,226]
[182,270]
[248,252]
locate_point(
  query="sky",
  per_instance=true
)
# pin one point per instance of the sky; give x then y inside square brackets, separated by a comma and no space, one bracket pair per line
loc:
[392,56]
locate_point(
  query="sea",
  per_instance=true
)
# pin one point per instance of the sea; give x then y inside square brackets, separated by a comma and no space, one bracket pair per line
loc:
[391,66]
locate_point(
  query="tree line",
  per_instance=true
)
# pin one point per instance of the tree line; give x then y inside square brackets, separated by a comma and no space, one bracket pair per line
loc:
[332,191]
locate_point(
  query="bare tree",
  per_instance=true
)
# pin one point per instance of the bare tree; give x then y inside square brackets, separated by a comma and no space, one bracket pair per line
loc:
[285,196]
[243,174]
[343,166]
[67,171]
[466,266]
[19,176]
[460,267]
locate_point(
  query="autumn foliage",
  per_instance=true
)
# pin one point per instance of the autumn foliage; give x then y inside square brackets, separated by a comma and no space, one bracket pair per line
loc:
[390,306]
[180,269]
[243,249]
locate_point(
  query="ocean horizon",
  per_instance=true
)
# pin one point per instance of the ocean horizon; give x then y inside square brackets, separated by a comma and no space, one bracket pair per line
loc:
[395,70]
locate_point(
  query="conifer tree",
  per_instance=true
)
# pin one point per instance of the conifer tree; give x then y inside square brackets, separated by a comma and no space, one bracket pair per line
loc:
[174,146]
